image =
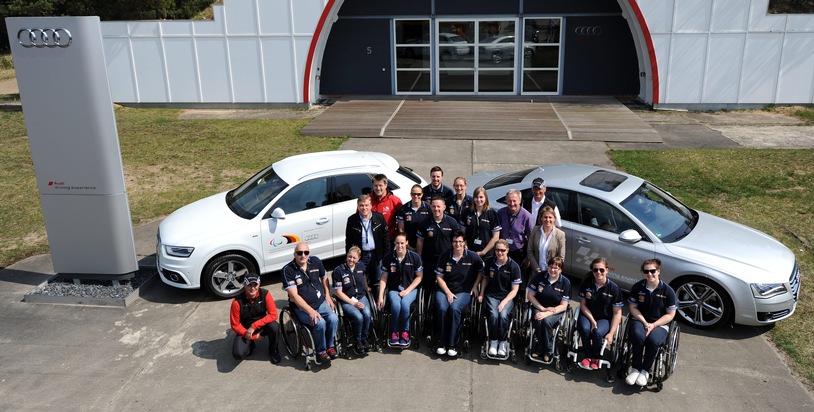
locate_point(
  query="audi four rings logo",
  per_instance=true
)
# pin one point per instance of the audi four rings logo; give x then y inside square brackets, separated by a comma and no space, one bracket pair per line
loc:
[40,38]
[588,31]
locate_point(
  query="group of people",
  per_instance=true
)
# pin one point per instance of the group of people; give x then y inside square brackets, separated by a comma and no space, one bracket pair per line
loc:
[468,250]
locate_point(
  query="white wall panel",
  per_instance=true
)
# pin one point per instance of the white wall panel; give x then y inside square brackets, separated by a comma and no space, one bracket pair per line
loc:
[213,27]
[276,16]
[281,77]
[661,43]
[114,29]
[723,68]
[800,22]
[797,69]
[150,73]
[729,15]
[120,70]
[687,57]
[144,29]
[692,16]
[760,20]
[659,15]
[306,15]
[214,70]
[247,75]
[241,17]
[760,67]
[181,69]
[176,28]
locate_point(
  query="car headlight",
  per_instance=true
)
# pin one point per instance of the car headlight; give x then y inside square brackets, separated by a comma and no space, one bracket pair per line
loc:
[768,290]
[178,251]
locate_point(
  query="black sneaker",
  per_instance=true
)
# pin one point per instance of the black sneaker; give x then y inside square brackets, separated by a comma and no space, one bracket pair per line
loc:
[275,358]
[323,357]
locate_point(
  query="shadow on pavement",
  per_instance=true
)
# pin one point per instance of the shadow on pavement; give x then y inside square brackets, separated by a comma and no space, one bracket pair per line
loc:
[23,277]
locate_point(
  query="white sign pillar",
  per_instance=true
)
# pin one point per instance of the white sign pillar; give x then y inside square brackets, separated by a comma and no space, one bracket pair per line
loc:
[71,128]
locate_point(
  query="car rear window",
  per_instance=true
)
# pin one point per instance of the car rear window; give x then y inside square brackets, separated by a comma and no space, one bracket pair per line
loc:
[603,180]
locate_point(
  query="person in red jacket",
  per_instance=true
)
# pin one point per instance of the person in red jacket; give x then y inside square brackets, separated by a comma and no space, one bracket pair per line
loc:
[253,315]
[385,202]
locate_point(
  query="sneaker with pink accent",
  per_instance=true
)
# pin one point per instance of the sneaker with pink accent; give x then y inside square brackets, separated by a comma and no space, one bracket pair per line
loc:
[585,364]
[394,339]
[405,339]
[594,364]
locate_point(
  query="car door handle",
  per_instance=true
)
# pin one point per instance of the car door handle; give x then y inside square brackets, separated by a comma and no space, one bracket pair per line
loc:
[583,240]
[323,221]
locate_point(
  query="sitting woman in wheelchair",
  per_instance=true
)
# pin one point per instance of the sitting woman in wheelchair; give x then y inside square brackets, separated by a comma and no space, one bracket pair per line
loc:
[402,271]
[653,305]
[548,293]
[351,292]
[600,311]
[501,281]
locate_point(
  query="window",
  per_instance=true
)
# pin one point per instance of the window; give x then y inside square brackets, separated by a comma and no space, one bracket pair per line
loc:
[253,195]
[349,187]
[598,214]
[305,196]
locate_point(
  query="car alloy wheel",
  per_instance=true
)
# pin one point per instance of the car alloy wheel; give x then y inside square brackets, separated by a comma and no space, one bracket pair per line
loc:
[702,303]
[223,276]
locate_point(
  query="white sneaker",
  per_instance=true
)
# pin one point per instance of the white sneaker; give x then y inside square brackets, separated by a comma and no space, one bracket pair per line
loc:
[492,347]
[642,379]
[452,353]
[631,379]
[502,349]
[442,351]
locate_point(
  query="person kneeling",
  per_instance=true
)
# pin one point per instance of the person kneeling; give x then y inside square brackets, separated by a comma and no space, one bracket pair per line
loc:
[252,316]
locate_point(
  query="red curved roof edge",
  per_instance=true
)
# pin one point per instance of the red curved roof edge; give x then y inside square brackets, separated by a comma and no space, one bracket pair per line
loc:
[651,50]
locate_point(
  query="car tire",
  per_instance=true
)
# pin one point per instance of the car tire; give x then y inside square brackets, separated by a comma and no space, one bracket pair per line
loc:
[702,303]
[497,57]
[223,275]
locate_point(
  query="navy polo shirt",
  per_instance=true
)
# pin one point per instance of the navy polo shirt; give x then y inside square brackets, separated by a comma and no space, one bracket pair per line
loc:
[600,301]
[412,218]
[479,229]
[501,278]
[460,275]
[437,236]
[459,212]
[400,274]
[550,294]
[308,282]
[655,304]
[352,282]
[430,193]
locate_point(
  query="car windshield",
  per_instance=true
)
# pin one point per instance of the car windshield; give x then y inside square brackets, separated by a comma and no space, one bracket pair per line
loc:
[664,215]
[253,195]
[508,179]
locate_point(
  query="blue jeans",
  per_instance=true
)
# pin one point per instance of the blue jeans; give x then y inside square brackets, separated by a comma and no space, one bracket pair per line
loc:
[325,330]
[592,340]
[545,331]
[400,310]
[645,348]
[360,319]
[449,317]
[498,321]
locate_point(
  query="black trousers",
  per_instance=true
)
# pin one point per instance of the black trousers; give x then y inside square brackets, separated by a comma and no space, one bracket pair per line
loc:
[242,347]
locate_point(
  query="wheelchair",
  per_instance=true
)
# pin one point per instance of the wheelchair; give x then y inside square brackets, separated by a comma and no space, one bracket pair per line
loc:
[514,333]
[298,338]
[609,356]
[345,337]
[416,322]
[562,340]
[666,355]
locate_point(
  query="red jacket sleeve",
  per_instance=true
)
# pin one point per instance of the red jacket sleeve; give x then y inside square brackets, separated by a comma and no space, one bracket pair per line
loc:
[234,319]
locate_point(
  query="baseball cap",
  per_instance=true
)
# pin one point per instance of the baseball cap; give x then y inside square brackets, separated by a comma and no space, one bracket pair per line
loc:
[537,182]
[251,279]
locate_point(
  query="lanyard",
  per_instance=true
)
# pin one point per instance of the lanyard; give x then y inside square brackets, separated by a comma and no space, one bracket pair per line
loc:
[365,237]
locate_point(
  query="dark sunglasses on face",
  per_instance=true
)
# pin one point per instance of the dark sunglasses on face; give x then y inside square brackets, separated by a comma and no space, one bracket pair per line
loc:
[303,252]
[600,270]
[501,250]
[415,194]
[650,271]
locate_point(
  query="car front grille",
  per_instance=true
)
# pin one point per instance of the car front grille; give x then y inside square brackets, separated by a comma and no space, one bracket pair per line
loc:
[794,281]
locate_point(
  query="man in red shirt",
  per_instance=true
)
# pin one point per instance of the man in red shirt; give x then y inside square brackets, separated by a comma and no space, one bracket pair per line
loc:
[252,316]
[385,202]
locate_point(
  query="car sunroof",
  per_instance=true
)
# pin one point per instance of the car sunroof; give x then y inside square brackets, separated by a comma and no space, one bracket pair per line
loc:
[603,180]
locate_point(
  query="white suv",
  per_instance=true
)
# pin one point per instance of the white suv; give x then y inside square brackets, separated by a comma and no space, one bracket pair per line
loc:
[215,241]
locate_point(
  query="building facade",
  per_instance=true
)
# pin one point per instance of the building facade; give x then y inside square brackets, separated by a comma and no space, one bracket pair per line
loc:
[669,53]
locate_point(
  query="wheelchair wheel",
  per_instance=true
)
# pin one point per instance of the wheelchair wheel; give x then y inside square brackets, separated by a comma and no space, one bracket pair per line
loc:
[672,348]
[290,329]
[624,357]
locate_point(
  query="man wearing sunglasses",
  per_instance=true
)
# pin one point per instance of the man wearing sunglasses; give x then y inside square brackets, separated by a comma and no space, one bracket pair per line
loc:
[252,316]
[307,285]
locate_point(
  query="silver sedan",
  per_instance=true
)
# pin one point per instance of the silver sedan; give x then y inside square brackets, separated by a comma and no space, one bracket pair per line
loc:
[721,271]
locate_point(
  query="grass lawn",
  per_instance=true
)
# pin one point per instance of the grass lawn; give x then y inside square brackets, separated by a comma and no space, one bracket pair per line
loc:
[168,163]
[770,190]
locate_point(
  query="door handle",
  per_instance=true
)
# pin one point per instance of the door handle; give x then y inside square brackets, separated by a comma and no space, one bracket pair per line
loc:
[322,221]
[583,240]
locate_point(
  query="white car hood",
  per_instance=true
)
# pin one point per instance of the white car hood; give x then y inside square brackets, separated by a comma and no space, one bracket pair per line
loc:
[735,249]
[199,221]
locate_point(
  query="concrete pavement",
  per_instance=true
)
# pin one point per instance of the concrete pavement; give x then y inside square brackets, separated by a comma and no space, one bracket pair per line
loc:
[171,348]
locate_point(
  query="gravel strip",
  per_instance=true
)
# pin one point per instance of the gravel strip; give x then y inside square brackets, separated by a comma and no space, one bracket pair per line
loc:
[58,286]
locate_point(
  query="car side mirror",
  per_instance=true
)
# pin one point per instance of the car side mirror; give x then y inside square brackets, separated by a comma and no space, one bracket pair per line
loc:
[630,236]
[278,214]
